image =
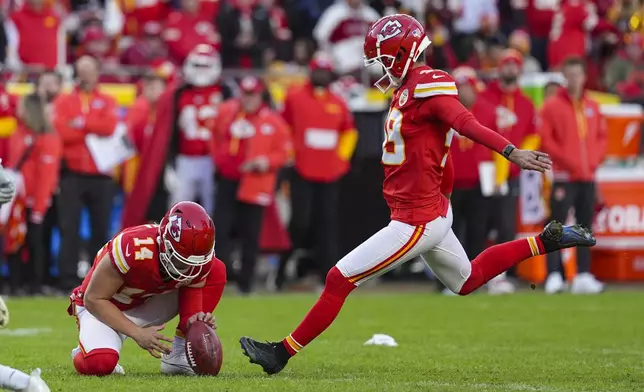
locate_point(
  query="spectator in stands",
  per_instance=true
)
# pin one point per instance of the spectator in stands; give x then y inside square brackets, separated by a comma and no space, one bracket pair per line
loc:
[34,37]
[520,41]
[620,67]
[626,14]
[282,47]
[538,15]
[81,112]
[251,143]
[138,14]
[340,32]
[36,152]
[516,120]
[570,31]
[246,33]
[188,27]
[573,134]
[324,138]
[475,18]
[147,48]
[470,207]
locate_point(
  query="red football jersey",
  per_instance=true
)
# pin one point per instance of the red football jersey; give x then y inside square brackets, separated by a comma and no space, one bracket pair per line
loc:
[416,147]
[135,254]
[197,111]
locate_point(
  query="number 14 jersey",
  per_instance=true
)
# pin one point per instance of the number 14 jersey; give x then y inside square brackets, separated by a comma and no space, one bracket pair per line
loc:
[416,147]
[134,253]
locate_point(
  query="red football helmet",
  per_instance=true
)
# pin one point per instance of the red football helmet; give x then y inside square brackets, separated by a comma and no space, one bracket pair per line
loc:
[202,67]
[186,240]
[395,42]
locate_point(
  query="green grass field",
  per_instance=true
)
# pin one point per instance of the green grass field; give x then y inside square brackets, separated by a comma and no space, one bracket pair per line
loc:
[526,342]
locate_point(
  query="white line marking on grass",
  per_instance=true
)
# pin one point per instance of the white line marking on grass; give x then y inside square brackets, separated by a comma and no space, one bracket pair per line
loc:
[24,331]
[485,386]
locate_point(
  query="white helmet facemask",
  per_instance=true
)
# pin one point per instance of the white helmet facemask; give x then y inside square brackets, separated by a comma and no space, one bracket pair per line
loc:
[177,267]
[202,70]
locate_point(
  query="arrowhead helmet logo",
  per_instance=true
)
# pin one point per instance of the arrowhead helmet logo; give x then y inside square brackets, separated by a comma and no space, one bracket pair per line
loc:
[175,227]
[391,29]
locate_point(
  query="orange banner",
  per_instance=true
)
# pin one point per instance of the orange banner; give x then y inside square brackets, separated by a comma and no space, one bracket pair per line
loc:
[619,228]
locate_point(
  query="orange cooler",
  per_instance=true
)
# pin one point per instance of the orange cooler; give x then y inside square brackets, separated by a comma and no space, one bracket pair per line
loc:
[623,122]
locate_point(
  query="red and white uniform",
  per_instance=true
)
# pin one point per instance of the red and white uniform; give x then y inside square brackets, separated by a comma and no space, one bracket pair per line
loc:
[418,136]
[146,297]
[196,110]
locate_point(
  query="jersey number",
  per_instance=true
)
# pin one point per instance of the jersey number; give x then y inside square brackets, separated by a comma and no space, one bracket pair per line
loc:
[393,148]
[191,120]
[143,252]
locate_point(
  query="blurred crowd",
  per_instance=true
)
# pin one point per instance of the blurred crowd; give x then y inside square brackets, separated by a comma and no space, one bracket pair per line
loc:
[224,143]
[129,35]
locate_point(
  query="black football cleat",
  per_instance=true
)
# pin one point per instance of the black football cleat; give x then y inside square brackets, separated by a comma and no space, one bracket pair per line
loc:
[267,355]
[556,236]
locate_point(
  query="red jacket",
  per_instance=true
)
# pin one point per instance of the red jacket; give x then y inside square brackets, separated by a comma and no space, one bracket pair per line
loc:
[76,115]
[38,36]
[324,135]
[137,15]
[241,137]
[466,154]
[569,36]
[140,120]
[539,16]
[574,134]
[184,31]
[41,166]
[515,116]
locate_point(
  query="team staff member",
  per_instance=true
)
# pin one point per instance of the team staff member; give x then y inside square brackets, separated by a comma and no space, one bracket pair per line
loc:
[82,112]
[573,134]
[178,164]
[324,138]
[516,120]
[251,143]
[36,152]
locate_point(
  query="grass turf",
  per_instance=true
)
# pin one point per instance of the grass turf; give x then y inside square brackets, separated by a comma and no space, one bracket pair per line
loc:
[525,342]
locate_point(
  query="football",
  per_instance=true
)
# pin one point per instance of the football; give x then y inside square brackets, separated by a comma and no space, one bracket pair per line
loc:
[203,349]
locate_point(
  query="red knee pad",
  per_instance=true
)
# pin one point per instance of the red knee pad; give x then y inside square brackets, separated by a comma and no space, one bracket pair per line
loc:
[98,362]
[337,285]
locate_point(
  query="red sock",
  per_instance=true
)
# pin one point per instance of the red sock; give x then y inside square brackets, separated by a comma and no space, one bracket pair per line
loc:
[499,258]
[322,314]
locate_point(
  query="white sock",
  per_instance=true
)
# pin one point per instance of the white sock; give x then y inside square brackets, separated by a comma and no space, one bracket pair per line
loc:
[178,343]
[13,379]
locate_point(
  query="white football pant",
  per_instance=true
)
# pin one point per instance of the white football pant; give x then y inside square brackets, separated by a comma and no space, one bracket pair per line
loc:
[194,180]
[94,334]
[400,242]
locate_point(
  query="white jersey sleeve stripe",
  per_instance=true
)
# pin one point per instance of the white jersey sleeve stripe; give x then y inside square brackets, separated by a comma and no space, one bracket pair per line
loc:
[117,255]
[433,92]
[423,86]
